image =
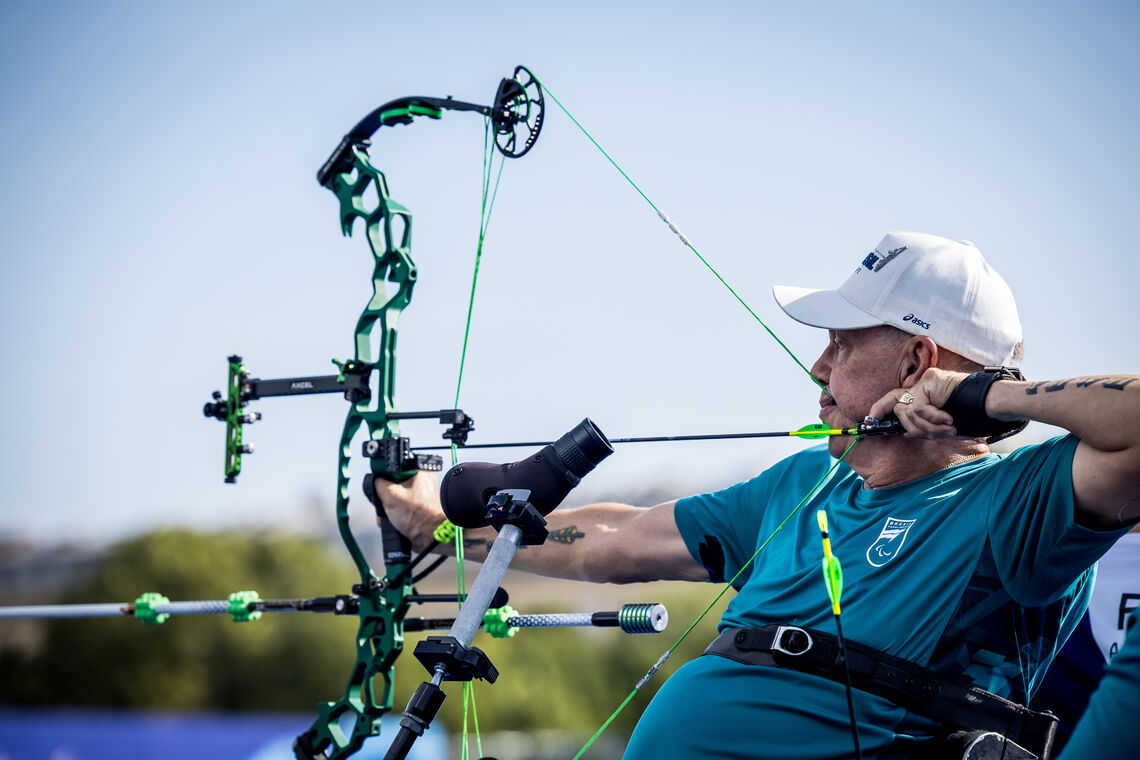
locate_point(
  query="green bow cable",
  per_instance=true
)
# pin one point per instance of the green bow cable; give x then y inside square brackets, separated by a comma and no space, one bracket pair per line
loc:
[684,239]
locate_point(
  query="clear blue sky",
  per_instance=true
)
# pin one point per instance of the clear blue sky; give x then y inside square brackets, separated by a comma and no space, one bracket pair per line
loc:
[159,212]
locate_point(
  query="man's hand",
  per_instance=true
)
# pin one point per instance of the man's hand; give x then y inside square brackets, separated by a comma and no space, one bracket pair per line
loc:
[412,506]
[919,408]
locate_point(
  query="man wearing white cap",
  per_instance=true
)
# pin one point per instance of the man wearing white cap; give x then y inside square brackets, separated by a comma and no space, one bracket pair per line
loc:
[964,570]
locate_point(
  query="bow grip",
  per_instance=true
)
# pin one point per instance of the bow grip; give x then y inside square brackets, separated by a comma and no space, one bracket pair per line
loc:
[396,546]
[394,460]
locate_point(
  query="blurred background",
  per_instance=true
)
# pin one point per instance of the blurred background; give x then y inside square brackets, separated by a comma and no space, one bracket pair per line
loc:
[159,212]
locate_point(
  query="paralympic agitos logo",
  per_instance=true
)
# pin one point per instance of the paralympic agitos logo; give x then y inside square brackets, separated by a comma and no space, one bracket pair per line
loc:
[890,541]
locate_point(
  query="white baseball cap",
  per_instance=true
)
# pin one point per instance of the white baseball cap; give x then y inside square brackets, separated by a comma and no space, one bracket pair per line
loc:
[924,285]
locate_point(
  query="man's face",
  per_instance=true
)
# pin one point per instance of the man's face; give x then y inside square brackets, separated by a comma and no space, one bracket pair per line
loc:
[858,367]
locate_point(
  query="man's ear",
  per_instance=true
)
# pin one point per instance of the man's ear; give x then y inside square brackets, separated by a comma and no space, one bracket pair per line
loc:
[920,353]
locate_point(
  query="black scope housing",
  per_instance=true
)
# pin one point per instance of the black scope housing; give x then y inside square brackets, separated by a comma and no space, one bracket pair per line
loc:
[548,475]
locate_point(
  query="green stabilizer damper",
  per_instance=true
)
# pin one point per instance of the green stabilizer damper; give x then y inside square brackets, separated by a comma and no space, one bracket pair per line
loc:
[495,622]
[445,533]
[639,618]
[145,608]
[239,607]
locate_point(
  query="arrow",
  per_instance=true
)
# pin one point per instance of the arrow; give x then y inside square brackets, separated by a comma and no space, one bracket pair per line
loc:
[809,432]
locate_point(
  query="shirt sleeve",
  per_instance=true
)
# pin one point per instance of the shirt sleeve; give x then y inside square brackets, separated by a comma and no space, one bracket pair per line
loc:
[722,529]
[1038,545]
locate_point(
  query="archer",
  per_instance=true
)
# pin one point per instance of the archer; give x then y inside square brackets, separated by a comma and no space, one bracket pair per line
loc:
[966,569]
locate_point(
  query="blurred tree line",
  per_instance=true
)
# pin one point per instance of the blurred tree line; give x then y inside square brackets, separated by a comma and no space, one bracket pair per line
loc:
[570,678]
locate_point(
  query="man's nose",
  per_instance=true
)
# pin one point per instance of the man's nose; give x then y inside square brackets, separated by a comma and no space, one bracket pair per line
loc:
[821,370]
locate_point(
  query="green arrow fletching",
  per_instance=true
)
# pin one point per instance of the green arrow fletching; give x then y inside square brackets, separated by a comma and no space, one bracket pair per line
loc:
[833,576]
[818,430]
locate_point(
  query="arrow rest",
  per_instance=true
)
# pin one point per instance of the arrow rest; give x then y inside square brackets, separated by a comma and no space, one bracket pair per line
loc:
[395,455]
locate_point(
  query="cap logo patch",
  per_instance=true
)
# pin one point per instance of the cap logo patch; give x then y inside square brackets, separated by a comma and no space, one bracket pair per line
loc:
[915,320]
[876,261]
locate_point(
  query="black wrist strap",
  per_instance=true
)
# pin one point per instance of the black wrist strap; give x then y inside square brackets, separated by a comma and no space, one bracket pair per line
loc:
[967,405]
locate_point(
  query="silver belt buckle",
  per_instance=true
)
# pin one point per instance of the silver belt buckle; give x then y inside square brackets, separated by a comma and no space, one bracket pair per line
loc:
[792,640]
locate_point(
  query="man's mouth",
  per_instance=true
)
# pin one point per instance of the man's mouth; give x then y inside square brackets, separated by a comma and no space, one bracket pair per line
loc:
[827,411]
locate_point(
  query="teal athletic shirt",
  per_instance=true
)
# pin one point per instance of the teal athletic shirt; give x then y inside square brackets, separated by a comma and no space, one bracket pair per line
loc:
[978,569]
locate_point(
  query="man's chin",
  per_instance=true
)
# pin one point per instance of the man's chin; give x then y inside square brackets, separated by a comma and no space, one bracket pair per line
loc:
[831,419]
[837,444]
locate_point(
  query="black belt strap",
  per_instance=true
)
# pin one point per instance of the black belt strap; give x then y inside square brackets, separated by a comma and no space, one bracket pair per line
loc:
[914,687]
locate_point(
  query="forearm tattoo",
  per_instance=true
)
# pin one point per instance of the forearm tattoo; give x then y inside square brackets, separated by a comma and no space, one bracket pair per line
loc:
[1079,382]
[567,535]
[477,543]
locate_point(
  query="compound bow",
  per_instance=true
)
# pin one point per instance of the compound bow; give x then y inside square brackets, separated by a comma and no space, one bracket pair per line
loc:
[382,602]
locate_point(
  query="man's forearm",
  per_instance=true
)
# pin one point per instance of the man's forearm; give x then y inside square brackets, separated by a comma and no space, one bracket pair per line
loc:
[607,543]
[578,545]
[1102,410]
[566,553]
[477,542]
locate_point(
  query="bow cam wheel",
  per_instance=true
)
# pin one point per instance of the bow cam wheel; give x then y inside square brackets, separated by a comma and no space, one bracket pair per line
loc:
[517,113]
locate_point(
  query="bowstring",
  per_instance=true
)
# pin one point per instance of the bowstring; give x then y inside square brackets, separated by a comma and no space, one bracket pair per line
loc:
[686,242]
[661,661]
[489,194]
